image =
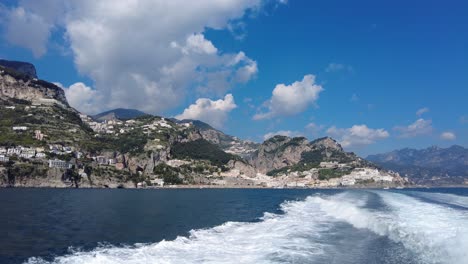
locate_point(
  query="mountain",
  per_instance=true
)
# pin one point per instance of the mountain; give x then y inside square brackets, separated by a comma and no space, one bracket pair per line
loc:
[119,113]
[432,165]
[25,68]
[229,144]
[45,142]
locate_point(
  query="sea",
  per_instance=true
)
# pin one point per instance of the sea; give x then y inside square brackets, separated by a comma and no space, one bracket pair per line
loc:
[234,226]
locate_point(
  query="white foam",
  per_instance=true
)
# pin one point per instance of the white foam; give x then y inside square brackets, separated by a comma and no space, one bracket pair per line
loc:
[435,233]
[447,198]
[277,238]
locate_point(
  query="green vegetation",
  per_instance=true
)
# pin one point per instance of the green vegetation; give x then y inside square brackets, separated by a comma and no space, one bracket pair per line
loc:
[325,174]
[202,150]
[301,166]
[169,174]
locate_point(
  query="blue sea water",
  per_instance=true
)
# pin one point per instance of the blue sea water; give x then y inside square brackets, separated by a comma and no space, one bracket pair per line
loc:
[233,226]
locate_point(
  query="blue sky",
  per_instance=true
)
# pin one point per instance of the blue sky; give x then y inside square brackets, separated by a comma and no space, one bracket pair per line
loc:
[373,64]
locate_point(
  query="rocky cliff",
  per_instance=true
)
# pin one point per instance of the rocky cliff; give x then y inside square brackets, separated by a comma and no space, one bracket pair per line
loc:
[15,85]
[25,68]
[280,151]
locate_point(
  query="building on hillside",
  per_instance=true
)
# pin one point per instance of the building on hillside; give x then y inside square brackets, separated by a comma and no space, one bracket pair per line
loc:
[28,153]
[61,164]
[101,160]
[119,166]
[4,158]
[20,128]
[157,182]
[38,135]
[40,155]
[3,150]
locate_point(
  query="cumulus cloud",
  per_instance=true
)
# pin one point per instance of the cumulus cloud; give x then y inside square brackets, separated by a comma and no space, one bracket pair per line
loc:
[288,100]
[418,128]
[212,112]
[287,133]
[422,111]
[81,96]
[357,135]
[448,136]
[144,54]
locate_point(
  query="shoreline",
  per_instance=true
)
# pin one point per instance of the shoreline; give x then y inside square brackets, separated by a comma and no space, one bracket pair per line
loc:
[201,187]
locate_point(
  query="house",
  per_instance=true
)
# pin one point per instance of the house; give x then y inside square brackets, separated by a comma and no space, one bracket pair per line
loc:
[28,153]
[56,163]
[157,182]
[14,151]
[38,135]
[101,160]
[20,128]
[119,166]
[10,107]
[4,158]
[111,161]
[3,150]
[40,155]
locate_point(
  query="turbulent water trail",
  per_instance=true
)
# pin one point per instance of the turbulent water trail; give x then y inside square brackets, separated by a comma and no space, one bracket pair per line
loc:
[451,199]
[435,233]
[306,233]
[276,238]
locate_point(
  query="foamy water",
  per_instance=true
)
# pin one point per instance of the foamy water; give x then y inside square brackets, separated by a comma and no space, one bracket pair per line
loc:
[431,232]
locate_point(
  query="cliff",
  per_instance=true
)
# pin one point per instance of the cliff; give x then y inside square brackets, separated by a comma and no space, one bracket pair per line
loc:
[16,85]
[25,68]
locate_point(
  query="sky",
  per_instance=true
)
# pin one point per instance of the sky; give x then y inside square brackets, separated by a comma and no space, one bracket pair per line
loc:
[374,75]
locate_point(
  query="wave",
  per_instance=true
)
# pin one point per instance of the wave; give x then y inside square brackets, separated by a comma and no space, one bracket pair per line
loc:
[451,199]
[435,233]
[302,234]
[277,238]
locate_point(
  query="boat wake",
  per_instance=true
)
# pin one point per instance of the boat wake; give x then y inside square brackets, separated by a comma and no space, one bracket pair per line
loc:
[309,231]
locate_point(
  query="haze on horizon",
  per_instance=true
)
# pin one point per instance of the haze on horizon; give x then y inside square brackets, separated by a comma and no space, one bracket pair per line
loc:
[375,76]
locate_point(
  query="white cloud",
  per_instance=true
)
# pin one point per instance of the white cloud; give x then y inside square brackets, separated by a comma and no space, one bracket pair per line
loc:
[422,111]
[336,67]
[288,100]
[212,112]
[144,54]
[419,127]
[82,97]
[314,129]
[27,30]
[448,136]
[357,135]
[287,133]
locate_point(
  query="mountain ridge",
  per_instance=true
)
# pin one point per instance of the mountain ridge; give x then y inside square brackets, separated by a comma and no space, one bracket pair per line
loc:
[146,150]
[429,165]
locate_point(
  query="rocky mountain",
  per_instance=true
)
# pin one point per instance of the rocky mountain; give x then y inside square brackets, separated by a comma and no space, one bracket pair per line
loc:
[25,68]
[45,142]
[229,144]
[119,113]
[432,165]
[18,86]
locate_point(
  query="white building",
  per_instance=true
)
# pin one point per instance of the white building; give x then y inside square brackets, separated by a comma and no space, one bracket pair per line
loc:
[4,158]
[20,128]
[40,155]
[56,163]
